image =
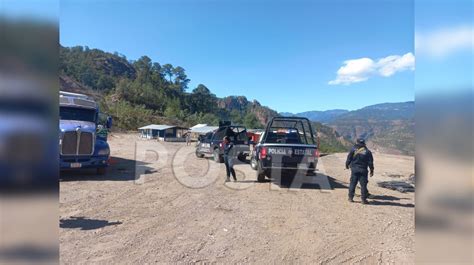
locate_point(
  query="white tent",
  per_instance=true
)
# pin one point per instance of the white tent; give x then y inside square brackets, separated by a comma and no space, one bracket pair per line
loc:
[198,126]
[203,129]
[156,127]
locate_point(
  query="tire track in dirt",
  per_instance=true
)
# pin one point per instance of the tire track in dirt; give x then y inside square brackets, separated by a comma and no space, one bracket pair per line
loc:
[164,221]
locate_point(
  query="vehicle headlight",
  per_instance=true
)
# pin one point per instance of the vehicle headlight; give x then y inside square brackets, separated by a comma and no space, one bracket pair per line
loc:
[104,152]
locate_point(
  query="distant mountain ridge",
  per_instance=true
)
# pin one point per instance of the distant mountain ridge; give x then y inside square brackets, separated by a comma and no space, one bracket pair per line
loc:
[388,127]
[319,116]
[386,111]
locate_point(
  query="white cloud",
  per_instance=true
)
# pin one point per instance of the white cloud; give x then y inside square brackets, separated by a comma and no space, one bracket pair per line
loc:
[388,66]
[359,70]
[354,71]
[444,41]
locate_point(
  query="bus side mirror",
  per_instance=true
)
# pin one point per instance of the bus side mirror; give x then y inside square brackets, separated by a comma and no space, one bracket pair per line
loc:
[109,122]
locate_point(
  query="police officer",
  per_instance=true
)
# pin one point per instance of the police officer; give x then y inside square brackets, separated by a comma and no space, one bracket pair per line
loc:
[359,159]
[228,158]
[188,138]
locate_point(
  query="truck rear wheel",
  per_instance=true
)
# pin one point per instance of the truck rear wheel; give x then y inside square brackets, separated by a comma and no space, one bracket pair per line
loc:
[260,177]
[260,174]
[242,157]
[101,171]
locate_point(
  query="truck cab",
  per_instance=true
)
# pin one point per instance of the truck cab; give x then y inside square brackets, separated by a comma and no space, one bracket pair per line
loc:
[82,133]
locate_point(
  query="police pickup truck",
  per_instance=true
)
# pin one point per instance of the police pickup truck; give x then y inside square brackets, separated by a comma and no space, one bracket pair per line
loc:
[82,137]
[211,143]
[287,146]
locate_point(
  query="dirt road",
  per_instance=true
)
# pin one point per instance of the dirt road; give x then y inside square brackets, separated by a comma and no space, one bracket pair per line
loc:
[179,214]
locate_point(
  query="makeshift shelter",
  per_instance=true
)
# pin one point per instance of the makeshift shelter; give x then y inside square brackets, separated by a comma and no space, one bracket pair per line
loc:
[201,129]
[198,126]
[163,132]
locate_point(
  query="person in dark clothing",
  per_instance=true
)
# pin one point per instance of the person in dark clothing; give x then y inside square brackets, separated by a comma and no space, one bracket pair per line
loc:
[228,158]
[359,159]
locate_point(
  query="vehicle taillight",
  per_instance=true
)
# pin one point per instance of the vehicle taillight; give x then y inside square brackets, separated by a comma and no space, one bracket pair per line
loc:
[316,152]
[263,152]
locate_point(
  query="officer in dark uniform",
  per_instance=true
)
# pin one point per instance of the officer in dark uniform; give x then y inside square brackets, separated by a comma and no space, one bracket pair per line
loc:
[359,159]
[229,158]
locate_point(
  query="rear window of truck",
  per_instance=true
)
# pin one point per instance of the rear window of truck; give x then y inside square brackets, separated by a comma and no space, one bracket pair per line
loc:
[289,132]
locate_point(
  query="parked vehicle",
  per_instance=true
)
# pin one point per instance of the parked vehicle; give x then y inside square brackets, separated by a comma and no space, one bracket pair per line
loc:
[287,145]
[211,143]
[82,133]
[27,142]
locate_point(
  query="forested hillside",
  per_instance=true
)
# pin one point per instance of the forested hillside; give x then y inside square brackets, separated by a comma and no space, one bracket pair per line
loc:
[141,92]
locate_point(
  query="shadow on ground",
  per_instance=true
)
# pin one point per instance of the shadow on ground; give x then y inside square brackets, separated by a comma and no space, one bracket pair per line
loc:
[84,223]
[235,160]
[389,203]
[250,181]
[120,169]
[386,198]
[318,181]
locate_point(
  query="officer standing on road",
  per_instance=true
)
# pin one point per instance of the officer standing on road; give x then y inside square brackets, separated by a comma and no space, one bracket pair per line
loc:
[359,159]
[228,158]
[188,138]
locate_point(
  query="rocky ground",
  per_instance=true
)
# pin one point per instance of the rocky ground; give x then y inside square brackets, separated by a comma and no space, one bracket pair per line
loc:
[173,207]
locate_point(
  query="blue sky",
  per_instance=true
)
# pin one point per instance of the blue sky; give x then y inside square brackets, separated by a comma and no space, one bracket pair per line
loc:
[444,37]
[43,10]
[282,53]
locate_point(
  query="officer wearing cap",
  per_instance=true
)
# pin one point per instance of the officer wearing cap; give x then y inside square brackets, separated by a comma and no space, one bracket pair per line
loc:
[360,159]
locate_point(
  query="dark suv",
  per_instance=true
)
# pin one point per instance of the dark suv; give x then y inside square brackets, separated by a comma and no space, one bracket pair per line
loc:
[211,143]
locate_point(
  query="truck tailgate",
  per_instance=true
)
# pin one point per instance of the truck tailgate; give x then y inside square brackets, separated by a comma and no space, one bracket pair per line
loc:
[290,155]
